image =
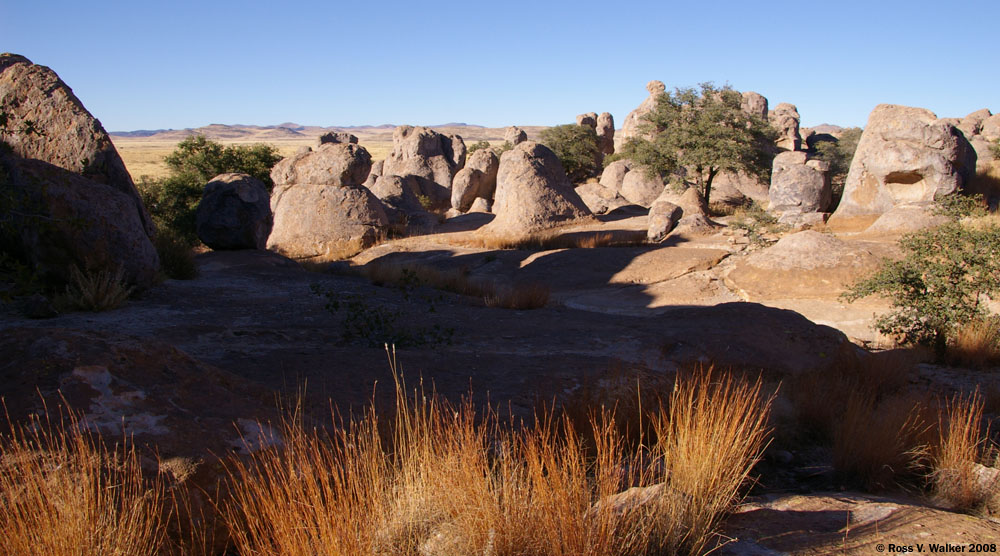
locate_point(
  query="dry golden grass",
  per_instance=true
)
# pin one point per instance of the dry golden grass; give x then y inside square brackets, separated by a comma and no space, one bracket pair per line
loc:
[443,480]
[976,344]
[956,482]
[62,492]
[543,241]
[97,290]
[519,296]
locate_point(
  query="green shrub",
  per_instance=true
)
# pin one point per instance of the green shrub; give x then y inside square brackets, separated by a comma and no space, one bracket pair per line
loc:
[577,149]
[839,154]
[478,145]
[939,284]
[172,201]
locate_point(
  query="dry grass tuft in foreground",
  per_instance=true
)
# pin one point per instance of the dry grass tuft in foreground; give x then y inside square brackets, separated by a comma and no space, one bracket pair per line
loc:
[446,481]
[976,344]
[62,492]
[959,481]
[520,297]
[97,290]
[544,241]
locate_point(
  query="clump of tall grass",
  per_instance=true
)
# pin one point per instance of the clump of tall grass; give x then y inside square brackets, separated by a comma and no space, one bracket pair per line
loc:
[442,479]
[958,479]
[64,492]
[97,290]
[976,344]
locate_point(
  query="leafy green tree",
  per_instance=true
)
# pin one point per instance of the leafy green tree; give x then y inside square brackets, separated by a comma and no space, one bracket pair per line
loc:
[939,284]
[577,149]
[839,154]
[702,133]
[174,200]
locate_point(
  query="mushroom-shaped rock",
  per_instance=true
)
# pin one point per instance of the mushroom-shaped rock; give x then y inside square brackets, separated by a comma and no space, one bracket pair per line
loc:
[533,192]
[905,156]
[234,213]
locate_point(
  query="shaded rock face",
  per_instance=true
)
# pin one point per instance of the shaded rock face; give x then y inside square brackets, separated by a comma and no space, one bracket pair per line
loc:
[904,156]
[321,210]
[754,104]
[401,204]
[74,221]
[429,156]
[799,185]
[606,133]
[514,135]
[630,127]
[477,179]
[337,137]
[785,118]
[330,164]
[234,213]
[973,123]
[373,175]
[533,192]
[68,136]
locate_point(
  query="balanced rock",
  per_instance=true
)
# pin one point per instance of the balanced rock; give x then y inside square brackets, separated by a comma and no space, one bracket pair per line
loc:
[589,120]
[321,210]
[606,133]
[799,185]
[630,128]
[63,220]
[905,156]
[337,137]
[431,157]
[477,179]
[65,133]
[514,135]
[533,192]
[785,118]
[234,213]
[754,104]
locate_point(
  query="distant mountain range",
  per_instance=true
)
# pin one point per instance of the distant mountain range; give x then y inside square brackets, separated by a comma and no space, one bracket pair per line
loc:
[290,131]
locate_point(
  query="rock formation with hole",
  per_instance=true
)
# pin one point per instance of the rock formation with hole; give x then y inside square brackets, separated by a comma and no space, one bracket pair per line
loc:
[234,213]
[905,156]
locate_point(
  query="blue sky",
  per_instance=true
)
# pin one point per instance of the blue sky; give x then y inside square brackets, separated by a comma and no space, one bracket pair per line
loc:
[152,64]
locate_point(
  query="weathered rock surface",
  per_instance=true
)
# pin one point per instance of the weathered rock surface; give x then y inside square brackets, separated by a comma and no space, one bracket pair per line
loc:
[630,127]
[589,120]
[514,135]
[429,156]
[330,164]
[754,104]
[663,216]
[640,188]
[904,156]
[614,174]
[67,136]
[374,174]
[799,185]
[234,213]
[337,137]
[991,128]
[401,204]
[600,199]
[973,123]
[606,133]
[785,118]
[533,192]
[62,219]
[906,219]
[477,179]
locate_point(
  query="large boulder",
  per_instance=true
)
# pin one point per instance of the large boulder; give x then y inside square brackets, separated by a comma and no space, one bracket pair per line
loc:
[905,156]
[606,133]
[663,216]
[401,204]
[973,123]
[587,120]
[66,134]
[514,135]
[600,199]
[799,185]
[477,179]
[754,104]
[614,174]
[641,188]
[630,127]
[321,210]
[329,164]
[234,213]
[429,156]
[533,192]
[62,219]
[785,118]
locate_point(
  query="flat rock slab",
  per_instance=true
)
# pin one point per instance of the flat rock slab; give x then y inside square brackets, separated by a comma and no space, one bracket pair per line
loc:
[848,523]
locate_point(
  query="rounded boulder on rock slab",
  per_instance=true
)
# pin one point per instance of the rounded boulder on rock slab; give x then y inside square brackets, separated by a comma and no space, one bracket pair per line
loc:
[641,188]
[514,135]
[64,220]
[533,192]
[322,222]
[695,216]
[663,216]
[606,133]
[67,135]
[797,185]
[905,156]
[234,213]
[330,164]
